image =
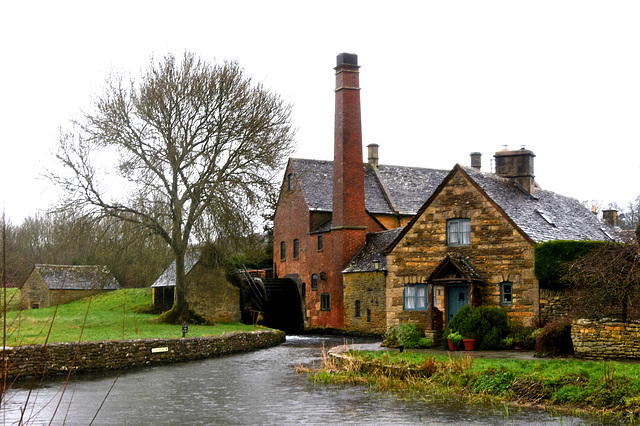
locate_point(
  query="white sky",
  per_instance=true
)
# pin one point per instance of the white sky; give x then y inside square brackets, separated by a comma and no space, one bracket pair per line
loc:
[439,79]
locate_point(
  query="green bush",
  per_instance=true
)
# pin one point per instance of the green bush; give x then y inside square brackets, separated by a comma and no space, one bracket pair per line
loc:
[567,395]
[488,323]
[406,335]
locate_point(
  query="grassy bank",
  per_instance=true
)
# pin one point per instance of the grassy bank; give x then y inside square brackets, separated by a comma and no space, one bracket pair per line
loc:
[595,387]
[121,314]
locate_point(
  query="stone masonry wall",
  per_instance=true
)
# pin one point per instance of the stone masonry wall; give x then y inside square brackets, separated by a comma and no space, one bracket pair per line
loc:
[57,358]
[553,304]
[498,251]
[369,289]
[606,339]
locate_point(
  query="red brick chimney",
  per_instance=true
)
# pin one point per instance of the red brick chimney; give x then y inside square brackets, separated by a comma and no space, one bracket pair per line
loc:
[348,171]
[349,220]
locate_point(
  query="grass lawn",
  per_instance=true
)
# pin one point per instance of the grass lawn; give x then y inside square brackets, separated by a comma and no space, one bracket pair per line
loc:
[111,316]
[603,388]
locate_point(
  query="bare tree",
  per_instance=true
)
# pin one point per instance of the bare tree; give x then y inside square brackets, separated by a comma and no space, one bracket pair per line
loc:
[197,146]
[606,282]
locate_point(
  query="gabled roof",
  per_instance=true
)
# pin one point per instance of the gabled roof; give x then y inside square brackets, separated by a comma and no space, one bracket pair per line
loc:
[460,266]
[168,277]
[77,277]
[388,189]
[372,250]
[546,216]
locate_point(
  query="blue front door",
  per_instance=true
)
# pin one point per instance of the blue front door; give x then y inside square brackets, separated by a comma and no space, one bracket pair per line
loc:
[457,297]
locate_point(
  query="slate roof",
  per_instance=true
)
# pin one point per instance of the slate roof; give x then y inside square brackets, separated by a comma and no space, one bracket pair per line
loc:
[168,277]
[544,217]
[84,277]
[376,243]
[407,188]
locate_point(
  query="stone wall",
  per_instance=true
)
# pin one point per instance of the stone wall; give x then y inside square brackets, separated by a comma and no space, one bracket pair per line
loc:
[606,338]
[57,358]
[369,289]
[553,304]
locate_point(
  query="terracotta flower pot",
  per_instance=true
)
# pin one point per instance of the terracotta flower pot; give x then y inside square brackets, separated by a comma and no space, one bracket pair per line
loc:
[469,344]
[452,347]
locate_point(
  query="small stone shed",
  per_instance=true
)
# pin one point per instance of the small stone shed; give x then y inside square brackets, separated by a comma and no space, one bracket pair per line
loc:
[209,293]
[48,285]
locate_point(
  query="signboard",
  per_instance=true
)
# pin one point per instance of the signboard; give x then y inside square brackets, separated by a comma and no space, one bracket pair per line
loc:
[156,350]
[185,328]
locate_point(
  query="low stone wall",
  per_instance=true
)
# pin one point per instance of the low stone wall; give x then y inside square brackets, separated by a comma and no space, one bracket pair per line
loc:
[57,358]
[606,338]
[553,304]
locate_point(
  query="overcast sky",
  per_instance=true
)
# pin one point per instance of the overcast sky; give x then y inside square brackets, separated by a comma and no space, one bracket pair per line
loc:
[439,79]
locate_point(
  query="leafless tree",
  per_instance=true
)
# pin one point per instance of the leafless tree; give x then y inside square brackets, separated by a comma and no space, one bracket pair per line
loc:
[197,146]
[606,282]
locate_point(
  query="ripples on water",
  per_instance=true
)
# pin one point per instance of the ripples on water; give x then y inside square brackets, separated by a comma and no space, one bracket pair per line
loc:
[257,388]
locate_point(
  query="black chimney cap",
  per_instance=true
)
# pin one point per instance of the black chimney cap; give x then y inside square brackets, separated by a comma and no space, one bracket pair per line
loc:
[347,59]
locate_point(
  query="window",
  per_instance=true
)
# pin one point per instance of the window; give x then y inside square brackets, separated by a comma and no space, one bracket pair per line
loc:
[283,251]
[314,282]
[415,297]
[368,315]
[357,309]
[319,242]
[35,306]
[325,304]
[506,293]
[459,232]
[296,249]
[290,182]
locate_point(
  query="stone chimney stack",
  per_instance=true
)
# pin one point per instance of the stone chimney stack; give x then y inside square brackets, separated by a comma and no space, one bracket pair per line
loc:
[610,217]
[373,154]
[518,166]
[476,160]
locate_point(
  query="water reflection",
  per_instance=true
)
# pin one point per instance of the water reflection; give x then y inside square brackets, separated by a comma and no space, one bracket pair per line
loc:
[254,388]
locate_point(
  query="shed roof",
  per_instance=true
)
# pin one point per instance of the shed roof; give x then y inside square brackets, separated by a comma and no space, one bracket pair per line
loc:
[77,277]
[168,277]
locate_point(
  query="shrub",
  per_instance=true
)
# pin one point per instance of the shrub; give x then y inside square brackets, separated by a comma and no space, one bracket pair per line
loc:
[488,323]
[407,335]
[555,338]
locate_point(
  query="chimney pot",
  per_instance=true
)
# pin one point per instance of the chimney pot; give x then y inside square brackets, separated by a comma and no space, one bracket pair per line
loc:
[518,166]
[476,160]
[373,154]
[610,217]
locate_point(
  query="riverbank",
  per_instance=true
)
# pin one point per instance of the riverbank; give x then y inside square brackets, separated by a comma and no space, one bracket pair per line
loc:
[610,388]
[57,359]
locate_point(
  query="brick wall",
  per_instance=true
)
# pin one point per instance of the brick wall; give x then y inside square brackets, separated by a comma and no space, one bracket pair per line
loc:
[606,339]
[23,361]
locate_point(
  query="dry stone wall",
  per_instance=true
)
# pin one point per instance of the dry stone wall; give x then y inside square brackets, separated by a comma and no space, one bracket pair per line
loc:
[606,339]
[58,358]
[553,304]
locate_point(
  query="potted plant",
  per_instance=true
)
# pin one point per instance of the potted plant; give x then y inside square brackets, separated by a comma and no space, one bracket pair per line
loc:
[469,341]
[455,339]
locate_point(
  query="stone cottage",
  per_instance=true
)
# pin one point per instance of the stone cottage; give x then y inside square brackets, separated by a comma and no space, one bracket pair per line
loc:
[209,292]
[48,285]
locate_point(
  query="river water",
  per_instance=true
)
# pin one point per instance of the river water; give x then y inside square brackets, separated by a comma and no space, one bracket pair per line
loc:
[257,388]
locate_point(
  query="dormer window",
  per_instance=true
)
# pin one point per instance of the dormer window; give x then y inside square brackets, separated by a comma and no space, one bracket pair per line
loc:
[459,232]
